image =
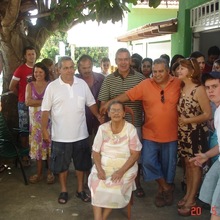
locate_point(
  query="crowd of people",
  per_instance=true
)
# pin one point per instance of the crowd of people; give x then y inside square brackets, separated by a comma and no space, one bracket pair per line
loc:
[82,117]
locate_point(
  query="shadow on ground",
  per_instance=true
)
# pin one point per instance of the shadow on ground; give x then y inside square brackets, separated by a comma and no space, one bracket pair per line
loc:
[39,201]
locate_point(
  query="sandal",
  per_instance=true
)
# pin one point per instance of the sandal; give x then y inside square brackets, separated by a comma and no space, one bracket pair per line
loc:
[139,192]
[2,168]
[181,203]
[186,210]
[83,196]
[50,178]
[35,178]
[63,198]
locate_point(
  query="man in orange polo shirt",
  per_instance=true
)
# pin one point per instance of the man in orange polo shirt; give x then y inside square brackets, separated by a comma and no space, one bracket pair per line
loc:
[159,96]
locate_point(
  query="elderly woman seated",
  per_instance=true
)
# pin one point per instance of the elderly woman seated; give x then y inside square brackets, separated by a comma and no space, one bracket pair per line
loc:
[116,149]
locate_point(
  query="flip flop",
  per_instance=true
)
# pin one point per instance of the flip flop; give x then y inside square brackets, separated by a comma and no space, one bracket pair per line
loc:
[35,178]
[83,196]
[63,198]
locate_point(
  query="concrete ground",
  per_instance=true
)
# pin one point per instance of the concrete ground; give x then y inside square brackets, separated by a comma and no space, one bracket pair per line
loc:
[39,201]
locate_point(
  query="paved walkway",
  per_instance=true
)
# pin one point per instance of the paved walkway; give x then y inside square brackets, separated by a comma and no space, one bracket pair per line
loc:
[39,201]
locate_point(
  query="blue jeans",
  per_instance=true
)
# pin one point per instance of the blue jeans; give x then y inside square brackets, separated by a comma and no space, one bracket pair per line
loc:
[23,114]
[159,160]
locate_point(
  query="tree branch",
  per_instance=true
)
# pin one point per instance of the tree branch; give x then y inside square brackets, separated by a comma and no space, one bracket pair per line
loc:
[11,14]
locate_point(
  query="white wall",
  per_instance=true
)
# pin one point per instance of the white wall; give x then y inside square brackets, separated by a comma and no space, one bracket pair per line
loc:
[153,47]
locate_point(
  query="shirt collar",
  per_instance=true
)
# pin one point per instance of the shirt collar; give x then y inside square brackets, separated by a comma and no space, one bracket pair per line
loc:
[116,73]
[63,83]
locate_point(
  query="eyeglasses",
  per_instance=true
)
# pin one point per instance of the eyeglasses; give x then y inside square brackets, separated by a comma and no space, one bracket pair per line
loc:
[162,98]
[113,110]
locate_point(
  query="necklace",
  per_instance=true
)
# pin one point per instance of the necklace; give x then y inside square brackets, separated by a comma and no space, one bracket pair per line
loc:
[187,90]
[115,138]
[116,133]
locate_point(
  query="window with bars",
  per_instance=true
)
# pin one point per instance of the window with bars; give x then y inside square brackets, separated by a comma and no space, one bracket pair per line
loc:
[206,15]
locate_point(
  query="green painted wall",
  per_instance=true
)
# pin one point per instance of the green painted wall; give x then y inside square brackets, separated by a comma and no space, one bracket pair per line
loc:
[181,42]
[141,16]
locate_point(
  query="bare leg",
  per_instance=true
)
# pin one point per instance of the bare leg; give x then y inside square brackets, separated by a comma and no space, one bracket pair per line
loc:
[165,193]
[163,185]
[215,217]
[25,144]
[139,191]
[97,211]
[194,182]
[87,176]
[137,179]
[80,177]
[188,179]
[48,166]
[106,213]
[63,180]
[24,141]
[39,168]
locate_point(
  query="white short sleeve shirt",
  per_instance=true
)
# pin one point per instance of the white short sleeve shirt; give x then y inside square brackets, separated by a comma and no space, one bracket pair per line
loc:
[67,106]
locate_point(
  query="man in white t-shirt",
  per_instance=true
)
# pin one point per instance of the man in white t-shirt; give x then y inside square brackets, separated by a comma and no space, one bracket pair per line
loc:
[210,190]
[64,102]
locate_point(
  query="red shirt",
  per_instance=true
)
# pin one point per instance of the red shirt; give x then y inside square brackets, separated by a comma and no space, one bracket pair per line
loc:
[21,74]
[208,68]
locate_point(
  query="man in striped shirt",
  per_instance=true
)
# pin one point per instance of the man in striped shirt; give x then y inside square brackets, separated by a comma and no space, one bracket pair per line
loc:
[121,80]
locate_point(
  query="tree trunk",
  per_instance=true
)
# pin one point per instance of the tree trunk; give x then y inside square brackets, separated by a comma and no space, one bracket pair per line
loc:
[12,58]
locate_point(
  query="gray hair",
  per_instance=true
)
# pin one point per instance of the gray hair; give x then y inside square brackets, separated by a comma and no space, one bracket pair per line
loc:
[161,61]
[122,50]
[64,58]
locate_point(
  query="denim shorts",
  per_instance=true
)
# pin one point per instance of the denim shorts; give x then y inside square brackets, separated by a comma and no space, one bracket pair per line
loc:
[159,160]
[23,115]
[210,190]
[62,153]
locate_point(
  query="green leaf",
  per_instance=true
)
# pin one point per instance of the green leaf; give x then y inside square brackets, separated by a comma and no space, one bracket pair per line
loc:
[154,3]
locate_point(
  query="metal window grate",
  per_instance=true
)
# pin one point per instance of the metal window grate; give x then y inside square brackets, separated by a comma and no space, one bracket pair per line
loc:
[163,4]
[206,15]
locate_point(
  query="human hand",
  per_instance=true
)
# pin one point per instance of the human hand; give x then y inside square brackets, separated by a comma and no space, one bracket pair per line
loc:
[116,176]
[182,120]
[199,159]
[101,174]
[46,136]
[101,119]
[104,108]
